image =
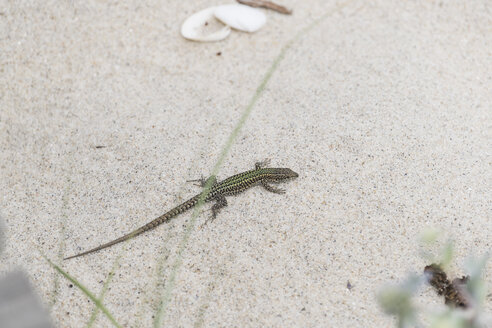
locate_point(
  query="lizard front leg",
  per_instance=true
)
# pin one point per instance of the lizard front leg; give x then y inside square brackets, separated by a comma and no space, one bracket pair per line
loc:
[271,188]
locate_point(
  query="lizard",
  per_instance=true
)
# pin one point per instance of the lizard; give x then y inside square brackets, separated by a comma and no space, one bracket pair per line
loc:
[218,191]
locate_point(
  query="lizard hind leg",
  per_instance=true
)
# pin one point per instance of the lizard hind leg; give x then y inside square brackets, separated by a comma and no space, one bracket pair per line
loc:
[264,163]
[219,204]
[202,182]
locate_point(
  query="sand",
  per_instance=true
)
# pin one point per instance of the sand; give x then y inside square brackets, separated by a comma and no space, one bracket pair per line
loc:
[106,111]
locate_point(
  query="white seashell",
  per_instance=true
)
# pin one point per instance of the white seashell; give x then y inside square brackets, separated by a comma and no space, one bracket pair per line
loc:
[241,17]
[202,26]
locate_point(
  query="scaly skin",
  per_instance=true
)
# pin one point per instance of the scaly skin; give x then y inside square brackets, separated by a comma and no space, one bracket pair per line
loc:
[228,187]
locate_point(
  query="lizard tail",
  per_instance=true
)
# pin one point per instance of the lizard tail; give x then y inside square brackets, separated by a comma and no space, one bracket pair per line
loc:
[152,224]
[116,241]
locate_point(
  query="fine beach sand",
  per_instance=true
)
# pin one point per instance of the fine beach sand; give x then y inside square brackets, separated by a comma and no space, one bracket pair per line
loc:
[384,110]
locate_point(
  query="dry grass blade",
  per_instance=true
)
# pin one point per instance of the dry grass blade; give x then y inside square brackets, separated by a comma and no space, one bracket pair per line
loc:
[267,5]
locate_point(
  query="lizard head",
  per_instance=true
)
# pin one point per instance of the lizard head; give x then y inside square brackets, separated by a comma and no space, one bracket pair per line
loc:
[281,173]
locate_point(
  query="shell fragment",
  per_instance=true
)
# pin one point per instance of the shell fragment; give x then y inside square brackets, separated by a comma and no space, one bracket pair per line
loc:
[241,17]
[202,26]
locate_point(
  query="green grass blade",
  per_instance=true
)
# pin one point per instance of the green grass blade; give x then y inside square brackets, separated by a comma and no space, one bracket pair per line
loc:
[111,274]
[85,291]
